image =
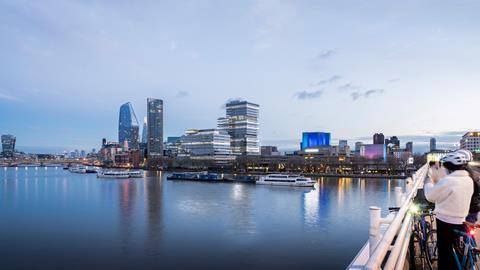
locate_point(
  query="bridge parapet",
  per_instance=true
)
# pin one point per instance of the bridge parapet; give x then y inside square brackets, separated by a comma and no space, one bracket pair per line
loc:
[375,253]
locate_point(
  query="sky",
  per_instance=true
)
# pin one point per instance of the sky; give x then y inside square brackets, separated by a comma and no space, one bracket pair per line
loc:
[352,68]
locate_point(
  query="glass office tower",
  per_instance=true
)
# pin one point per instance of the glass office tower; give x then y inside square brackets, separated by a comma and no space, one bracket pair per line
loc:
[8,145]
[155,127]
[128,129]
[241,123]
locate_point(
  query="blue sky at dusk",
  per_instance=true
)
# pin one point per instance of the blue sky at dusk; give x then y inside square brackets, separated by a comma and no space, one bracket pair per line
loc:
[353,68]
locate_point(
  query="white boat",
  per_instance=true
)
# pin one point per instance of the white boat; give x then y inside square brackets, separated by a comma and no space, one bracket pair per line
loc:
[135,174]
[113,174]
[78,169]
[285,180]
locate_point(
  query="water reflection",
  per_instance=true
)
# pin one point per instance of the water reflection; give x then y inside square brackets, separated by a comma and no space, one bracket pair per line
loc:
[241,210]
[154,223]
[153,190]
[127,203]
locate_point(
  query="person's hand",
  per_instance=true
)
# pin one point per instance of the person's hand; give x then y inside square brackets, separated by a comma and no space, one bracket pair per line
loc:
[437,174]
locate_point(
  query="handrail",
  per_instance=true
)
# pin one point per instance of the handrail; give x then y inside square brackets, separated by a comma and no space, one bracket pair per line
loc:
[380,247]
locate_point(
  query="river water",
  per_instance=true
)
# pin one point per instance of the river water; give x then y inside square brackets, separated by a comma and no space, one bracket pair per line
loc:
[53,219]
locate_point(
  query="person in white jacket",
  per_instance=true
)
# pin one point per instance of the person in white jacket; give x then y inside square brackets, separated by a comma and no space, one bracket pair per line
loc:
[451,189]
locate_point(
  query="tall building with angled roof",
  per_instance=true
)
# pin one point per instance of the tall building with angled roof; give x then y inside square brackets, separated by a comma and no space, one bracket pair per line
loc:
[128,129]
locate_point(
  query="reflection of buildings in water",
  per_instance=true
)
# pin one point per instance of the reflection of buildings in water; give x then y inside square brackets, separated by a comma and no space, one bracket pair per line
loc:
[344,186]
[241,217]
[153,206]
[127,202]
[311,207]
[316,204]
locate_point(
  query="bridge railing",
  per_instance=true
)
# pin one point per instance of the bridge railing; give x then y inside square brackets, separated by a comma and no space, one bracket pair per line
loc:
[381,252]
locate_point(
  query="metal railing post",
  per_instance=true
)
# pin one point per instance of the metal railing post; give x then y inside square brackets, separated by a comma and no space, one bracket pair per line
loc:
[375,218]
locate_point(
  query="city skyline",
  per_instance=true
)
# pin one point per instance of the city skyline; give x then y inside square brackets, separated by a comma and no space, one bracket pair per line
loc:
[66,70]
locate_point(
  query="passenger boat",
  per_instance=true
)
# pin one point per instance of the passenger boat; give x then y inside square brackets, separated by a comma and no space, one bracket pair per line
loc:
[135,174]
[78,169]
[285,180]
[204,176]
[91,170]
[113,174]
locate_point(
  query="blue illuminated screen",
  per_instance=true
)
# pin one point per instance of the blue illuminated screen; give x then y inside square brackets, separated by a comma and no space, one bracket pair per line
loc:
[314,139]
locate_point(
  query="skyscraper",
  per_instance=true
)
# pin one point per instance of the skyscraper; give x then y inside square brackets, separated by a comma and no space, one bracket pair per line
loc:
[8,145]
[393,140]
[128,129]
[144,131]
[409,147]
[433,144]
[378,138]
[154,127]
[357,146]
[241,123]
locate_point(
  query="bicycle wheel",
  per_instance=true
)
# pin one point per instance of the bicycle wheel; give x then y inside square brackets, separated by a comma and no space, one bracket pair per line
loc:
[431,246]
[420,254]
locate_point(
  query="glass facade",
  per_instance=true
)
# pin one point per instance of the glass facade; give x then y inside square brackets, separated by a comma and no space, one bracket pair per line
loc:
[155,126]
[128,129]
[315,139]
[206,142]
[373,151]
[144,131]
[241,123]
[8,145]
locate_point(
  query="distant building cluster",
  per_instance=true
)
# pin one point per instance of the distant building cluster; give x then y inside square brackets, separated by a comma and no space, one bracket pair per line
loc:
[318,144]
[237,135]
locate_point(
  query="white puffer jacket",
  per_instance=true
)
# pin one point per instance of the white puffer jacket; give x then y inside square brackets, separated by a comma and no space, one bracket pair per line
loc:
[451,196]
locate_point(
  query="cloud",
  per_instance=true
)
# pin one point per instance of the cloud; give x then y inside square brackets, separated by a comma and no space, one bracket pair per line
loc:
[357,95]
[304,95]
[347,87]
[394,80]
[326,54]
[8,97]
[182,94]
[332,79]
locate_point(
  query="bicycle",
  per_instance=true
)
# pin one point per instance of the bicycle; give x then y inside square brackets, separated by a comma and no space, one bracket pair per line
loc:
[424,251]
[465,249]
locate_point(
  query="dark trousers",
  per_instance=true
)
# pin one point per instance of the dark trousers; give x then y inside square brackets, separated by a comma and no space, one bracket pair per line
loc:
[446,237]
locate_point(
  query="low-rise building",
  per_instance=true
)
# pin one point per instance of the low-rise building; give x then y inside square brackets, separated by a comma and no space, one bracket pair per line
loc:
[206,144]
[471,141]
[269,151]
[373,151]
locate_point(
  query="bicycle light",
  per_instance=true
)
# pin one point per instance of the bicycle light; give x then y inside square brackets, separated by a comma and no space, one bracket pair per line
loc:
[414,209]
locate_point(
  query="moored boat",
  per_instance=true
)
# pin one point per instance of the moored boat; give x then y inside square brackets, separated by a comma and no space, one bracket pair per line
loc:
[204,177]
[113,174]
[78,169]
[285,180]
[135,174]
